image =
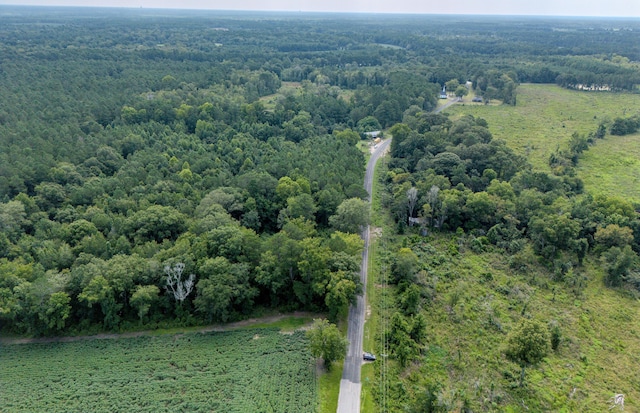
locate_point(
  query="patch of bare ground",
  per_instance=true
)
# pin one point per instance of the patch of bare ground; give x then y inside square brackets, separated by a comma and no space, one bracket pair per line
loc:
[133,334]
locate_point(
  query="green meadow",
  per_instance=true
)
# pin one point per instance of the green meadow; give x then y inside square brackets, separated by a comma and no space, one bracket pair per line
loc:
[546,116]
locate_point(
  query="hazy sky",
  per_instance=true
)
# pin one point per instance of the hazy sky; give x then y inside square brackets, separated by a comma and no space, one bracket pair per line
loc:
[624,8]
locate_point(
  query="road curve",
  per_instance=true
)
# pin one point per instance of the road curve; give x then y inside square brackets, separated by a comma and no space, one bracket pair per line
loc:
[350,386]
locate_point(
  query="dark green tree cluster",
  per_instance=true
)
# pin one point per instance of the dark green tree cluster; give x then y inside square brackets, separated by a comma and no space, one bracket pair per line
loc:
[452,176]
[494,84]
[262,206]
[625,126]
[227,142]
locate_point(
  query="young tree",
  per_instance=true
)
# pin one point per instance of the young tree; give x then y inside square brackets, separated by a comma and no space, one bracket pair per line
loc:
[98,291]
[527,344]
[142,299]
[325,341]
[452,85]
[223,289]
[405,266]
[56,311]
[617,263]
[341,291]
[614,235]
[461,91]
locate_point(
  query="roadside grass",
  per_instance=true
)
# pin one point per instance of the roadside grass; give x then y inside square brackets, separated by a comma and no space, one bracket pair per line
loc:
[381,223]
[367,373]
[365,147]
[329,388]
[545,118]
[370,342]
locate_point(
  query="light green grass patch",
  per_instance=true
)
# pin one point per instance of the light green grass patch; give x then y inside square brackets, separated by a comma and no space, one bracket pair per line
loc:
[546,115]
[269,101]
[545,118]
[329,388]
[612,167]
[287,324]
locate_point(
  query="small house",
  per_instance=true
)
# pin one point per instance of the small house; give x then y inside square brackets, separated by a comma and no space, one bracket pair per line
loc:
[443,93]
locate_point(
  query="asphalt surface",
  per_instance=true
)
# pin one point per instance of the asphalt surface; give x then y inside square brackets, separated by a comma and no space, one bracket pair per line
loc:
[350,386]
[446,105]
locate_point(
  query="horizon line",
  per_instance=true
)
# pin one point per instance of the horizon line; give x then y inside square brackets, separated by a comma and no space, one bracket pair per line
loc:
[345,12]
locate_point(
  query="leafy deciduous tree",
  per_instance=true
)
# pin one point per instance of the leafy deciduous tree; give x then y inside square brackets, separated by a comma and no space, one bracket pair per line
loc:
[352,215]
[143,298]
[527,344]
[326,341]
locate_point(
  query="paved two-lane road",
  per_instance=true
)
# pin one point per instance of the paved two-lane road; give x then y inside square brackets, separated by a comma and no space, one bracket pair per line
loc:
[350,386]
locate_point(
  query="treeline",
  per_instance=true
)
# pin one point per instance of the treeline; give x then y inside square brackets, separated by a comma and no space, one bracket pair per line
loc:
[597,73]
[451,175]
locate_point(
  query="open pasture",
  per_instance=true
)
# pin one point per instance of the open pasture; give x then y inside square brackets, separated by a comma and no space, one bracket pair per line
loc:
[256,370]
[612,167]
[547,115]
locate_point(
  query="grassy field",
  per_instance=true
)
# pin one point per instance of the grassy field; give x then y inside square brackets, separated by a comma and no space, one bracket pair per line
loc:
[612,167]
[253,370]
[547,115]
[478,299]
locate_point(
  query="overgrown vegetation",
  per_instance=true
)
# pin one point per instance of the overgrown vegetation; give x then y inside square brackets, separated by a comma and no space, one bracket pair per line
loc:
[522,251]
[472,300]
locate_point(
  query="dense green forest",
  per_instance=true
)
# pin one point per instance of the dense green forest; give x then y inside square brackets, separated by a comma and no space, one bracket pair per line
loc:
[181,168]
[138,150]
